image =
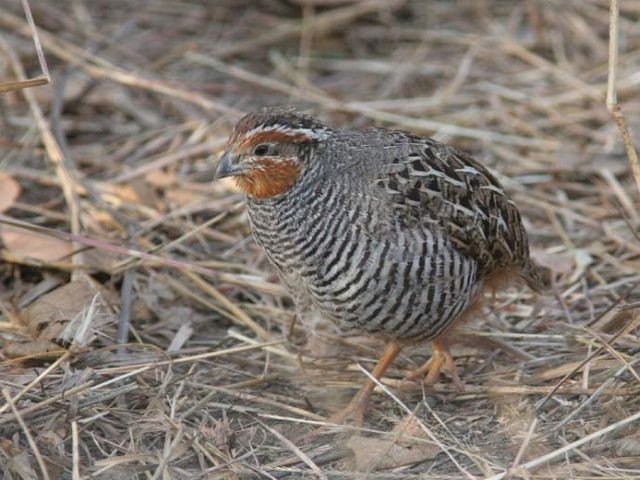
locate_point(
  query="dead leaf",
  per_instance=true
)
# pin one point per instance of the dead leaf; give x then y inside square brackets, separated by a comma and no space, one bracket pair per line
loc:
[69,315]
[49,316]
[18,461]
[38,348]
[23,244]
[181,337]
[9,192]
[406,447]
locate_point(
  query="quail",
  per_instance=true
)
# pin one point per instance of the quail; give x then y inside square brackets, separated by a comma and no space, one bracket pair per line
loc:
[382,231]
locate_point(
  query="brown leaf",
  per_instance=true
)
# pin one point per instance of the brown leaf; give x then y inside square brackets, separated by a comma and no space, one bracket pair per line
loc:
[20,466]
[392,451]
[23,244]
[49,315]
[70,314]
[38,348]
[9,192]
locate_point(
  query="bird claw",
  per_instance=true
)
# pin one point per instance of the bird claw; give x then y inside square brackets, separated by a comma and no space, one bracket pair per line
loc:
[431,369]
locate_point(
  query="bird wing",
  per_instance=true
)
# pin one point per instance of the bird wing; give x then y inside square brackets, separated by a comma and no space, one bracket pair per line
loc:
[432,184]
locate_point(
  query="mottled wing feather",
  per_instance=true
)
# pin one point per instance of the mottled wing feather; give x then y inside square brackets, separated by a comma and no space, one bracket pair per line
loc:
[439,186]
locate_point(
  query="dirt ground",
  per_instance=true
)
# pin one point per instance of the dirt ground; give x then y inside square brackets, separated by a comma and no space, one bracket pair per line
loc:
[144,335]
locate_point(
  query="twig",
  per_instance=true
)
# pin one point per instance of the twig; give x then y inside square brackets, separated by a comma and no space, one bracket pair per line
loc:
[36,380]
[129,263]
[168,454]
[190,358]
[76,450]
[156,164]
[524,445]
[266,287]
[49,401]
[328,21]
[40,79]
[612,94]
[36,40]
[295,449]
[99,68]
[599,391]
[126,299]
[567,448]
[56,156]
[242,317]
[607,345]
[261,399]
[422,425]
[354,107]
[281,352]
[32,443]
[597,351]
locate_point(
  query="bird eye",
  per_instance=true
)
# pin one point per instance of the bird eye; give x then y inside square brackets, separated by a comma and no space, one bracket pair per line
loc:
[261,150]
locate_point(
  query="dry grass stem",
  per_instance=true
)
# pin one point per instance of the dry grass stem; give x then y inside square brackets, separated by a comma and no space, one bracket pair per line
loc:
[573,445]
[185,357]
[27,82]
[76,451]
[612,93]
[36,380]
[27,433]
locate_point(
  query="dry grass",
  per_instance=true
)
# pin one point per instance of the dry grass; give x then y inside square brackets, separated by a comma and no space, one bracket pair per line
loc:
[113,155]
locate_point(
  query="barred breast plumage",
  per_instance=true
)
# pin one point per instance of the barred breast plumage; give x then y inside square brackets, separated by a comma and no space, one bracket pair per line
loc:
[380,230]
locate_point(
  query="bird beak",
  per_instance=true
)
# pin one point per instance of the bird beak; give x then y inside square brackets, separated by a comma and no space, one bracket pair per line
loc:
[226,168]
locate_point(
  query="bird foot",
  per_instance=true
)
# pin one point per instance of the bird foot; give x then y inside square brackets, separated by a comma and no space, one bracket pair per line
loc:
[431,369]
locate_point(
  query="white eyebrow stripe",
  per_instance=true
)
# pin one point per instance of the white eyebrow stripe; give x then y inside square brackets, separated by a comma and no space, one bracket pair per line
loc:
[308,132]
[263,128]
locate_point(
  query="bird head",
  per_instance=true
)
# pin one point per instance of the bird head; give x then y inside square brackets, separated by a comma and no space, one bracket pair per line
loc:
[269,149]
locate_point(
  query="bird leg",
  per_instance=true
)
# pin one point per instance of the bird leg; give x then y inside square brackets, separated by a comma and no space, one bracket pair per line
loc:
[441,357]
[358,404]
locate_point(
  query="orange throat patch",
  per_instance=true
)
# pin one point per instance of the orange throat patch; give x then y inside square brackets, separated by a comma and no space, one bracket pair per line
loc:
[270,179]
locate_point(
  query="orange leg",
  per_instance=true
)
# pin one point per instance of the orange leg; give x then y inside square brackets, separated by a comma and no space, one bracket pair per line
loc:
[441,357]
[358,404]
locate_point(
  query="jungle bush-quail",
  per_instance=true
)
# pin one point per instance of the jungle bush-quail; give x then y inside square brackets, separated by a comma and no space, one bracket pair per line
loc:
[381,231]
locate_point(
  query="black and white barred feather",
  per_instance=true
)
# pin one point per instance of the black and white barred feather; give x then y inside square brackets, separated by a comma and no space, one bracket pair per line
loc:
[384,231]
